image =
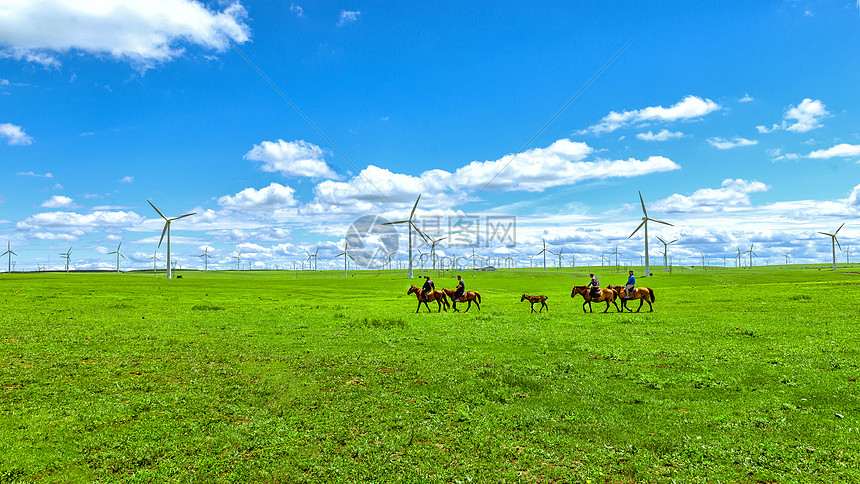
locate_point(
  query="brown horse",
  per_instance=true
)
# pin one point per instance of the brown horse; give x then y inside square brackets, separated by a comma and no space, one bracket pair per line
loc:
[645,294]
[535,299]
[469,297]
[607,295]
[437,296]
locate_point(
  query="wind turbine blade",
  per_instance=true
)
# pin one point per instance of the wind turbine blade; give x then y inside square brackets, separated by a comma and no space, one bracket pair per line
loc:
[637,228]
[414,207]
[672,242]
[398,222]
[825,233]
[643,204]
[157,210]
[183,216]
[834,238]
[122,256]
[840,228]
[163,232]
[661,240]
[419,232]
[660,221]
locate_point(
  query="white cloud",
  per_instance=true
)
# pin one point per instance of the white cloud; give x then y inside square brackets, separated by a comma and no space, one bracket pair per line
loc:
[30,173]
[843,150]
[127,179]
[804,117]
[691,107]
[776,154]
[14,135]
[663,135]
[724,144]
[63,220]
[734,193]
[747,98]
[272,197]
[347,17]
[291,158]
[58,201]
[143,33]
[297,10]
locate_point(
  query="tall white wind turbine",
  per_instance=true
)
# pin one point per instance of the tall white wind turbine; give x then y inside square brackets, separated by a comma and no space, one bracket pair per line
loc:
[409,229]
[665,251]
[544,251]
[166,230]
[644,223]
[834,242]
[205,255]
[118,255]
[345,255]
[9,253]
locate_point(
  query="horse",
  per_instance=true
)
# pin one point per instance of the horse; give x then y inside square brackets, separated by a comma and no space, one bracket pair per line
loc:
[607,295]
[436,295]
[469,297]
[534,299]
[645,294]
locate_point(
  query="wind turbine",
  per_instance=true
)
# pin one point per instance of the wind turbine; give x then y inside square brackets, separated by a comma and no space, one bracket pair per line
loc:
[738,257]
[345,255]
[433,249]
[573,260]
[834,242]
[544,251]
[616,254]
[9,253]
[751,253]
[205,255]
[68,256]
[644,223]
[559,257]
[409,229]
[238,258]
[167,231]
[473,257]
[847,254]
[665,252]
[155,260]
[314,257]
[118,255]
[787,258]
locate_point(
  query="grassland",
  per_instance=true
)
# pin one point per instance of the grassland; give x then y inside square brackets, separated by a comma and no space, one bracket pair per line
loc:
[738,376]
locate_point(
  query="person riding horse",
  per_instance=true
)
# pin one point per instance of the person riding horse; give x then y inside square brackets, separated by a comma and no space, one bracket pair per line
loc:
[428,286]
[461,289]
[595,286]
[630,287]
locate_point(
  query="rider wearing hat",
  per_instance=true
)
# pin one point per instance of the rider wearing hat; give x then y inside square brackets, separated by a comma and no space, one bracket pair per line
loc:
[428,286]
[595,286]
[629,288]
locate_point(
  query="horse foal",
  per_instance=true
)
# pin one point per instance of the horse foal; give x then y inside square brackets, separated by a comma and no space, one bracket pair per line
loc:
[535,299]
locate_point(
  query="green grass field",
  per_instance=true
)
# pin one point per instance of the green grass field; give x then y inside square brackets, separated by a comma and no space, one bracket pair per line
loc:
[737,376]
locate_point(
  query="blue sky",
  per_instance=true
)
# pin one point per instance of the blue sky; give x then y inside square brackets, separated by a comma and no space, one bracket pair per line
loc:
[738,125]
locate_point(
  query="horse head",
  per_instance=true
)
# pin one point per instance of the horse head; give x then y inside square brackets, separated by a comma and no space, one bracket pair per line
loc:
[576,290]
[523,298]
[412,289]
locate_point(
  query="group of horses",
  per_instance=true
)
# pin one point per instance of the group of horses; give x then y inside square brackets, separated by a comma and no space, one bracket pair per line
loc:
[441,297]
[611,294]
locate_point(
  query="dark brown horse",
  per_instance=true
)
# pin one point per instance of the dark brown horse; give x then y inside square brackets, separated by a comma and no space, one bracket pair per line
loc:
[607,295]
[437,296]
[645,294]
[535,299]
[469,297]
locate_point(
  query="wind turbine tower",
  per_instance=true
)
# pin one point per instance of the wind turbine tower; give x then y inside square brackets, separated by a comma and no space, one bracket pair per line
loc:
[409,229]
[834,242]
[166,230]
[644,223]
[205,255]
[118,255]
[10,253]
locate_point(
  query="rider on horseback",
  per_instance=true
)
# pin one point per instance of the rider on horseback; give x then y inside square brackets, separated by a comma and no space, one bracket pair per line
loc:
[428,286]
[461,289]
[629,289]
[595,286]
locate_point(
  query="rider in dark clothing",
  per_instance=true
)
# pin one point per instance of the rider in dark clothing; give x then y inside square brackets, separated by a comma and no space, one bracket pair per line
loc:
[428,286]
[595,287]
[461,289]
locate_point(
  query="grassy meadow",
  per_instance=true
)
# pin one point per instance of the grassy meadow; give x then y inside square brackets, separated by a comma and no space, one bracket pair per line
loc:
[738,375]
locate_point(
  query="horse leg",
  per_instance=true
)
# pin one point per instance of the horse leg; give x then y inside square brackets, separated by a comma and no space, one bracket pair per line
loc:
[533,307]
[583,306]
[545,306]
[640,305]
[607,305]
[469,306]
[419,307]
[426,306]
[477,304]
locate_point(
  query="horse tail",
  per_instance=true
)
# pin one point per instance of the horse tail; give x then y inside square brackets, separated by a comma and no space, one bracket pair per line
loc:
[478,295]
[651,292]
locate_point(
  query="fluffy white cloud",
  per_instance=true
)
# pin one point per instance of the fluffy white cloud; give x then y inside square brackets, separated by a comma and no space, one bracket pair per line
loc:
[127,179]
[292,158]
[691,107]
[724,144]
[853,200]
[58,201]
[734,193]
[347,17]
[804,117]
[663,135]
[96,219]
[144,33]
[297,10]
[747,98]
[843,150]
[14,135]
[273,197]
[776,154]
